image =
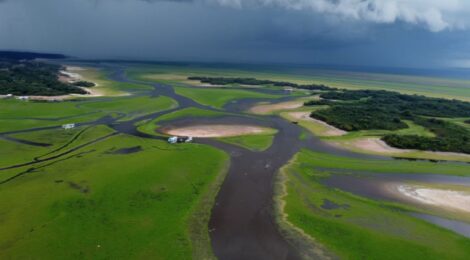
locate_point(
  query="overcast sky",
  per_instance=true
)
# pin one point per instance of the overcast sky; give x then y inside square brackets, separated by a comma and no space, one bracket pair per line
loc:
[386,33]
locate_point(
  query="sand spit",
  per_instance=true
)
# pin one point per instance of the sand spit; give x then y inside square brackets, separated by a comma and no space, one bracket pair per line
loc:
[330,130]
[374,144]
[269,108]
[450,199]
[67,76]
[211,131]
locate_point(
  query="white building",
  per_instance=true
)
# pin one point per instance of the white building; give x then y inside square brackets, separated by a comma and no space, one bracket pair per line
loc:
[23,98]
[68,126]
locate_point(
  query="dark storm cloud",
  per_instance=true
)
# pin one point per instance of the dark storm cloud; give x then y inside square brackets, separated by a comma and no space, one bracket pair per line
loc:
[229,30]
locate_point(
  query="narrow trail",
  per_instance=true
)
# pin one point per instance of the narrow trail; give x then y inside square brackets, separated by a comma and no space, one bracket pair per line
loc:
[242,222]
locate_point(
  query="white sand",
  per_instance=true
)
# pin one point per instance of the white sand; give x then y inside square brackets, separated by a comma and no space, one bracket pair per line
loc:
[330,130]
[269,108]
[74,68]
[375,145]
[451,199]
[70,77]
[208,131]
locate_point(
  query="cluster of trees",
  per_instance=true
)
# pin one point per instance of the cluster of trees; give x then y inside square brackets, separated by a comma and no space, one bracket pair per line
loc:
[354,118]
[253,81]
[82,83]
[21,55]
[449,138]
[353,110]
[33,78]
[415,104]
[371,109]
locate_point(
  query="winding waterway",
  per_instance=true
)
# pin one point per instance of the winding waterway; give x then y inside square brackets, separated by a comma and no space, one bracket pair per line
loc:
[242,224]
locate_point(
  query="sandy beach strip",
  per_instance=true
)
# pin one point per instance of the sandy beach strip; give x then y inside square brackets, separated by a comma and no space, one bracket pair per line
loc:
[329,129]
[211,131]
[375,144]
[450,199]
[264,109]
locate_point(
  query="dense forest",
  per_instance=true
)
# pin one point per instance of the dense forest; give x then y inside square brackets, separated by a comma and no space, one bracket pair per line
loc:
[21,55]
[33,78]
[378,109]
[449,137]
[255,82]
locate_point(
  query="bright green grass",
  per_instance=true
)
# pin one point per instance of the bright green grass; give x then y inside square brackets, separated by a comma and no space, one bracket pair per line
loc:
[256,143]
[191,112]
[403,166]
[12,153]
[132,107]
[18,115]
[219,97]
[428,86]
[12,109]
[368,229]
[106,206]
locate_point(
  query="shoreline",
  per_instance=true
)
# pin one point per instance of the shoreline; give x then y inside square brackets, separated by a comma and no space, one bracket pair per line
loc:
[215,131]
[442,198]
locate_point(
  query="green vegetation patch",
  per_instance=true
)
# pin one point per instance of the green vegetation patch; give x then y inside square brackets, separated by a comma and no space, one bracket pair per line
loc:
[385,110]
[132,106]
[449,137]
[259,142]
[219,97]
[360,228]
[100,204]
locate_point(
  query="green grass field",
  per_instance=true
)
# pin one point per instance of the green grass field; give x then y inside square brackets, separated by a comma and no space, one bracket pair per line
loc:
[219,97]
[365,229]
[98,205]
[95,202]
[257,143]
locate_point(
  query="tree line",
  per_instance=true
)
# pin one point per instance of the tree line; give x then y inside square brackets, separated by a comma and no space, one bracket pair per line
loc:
[23,78]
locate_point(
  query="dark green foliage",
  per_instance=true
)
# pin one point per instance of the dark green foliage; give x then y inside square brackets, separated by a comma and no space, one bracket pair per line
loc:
[414,104]
[321,102]
[467,121]
[33,78]
[85,84]
[253,81]
[21,55]
[449,137]
[353,118]
[370,109]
